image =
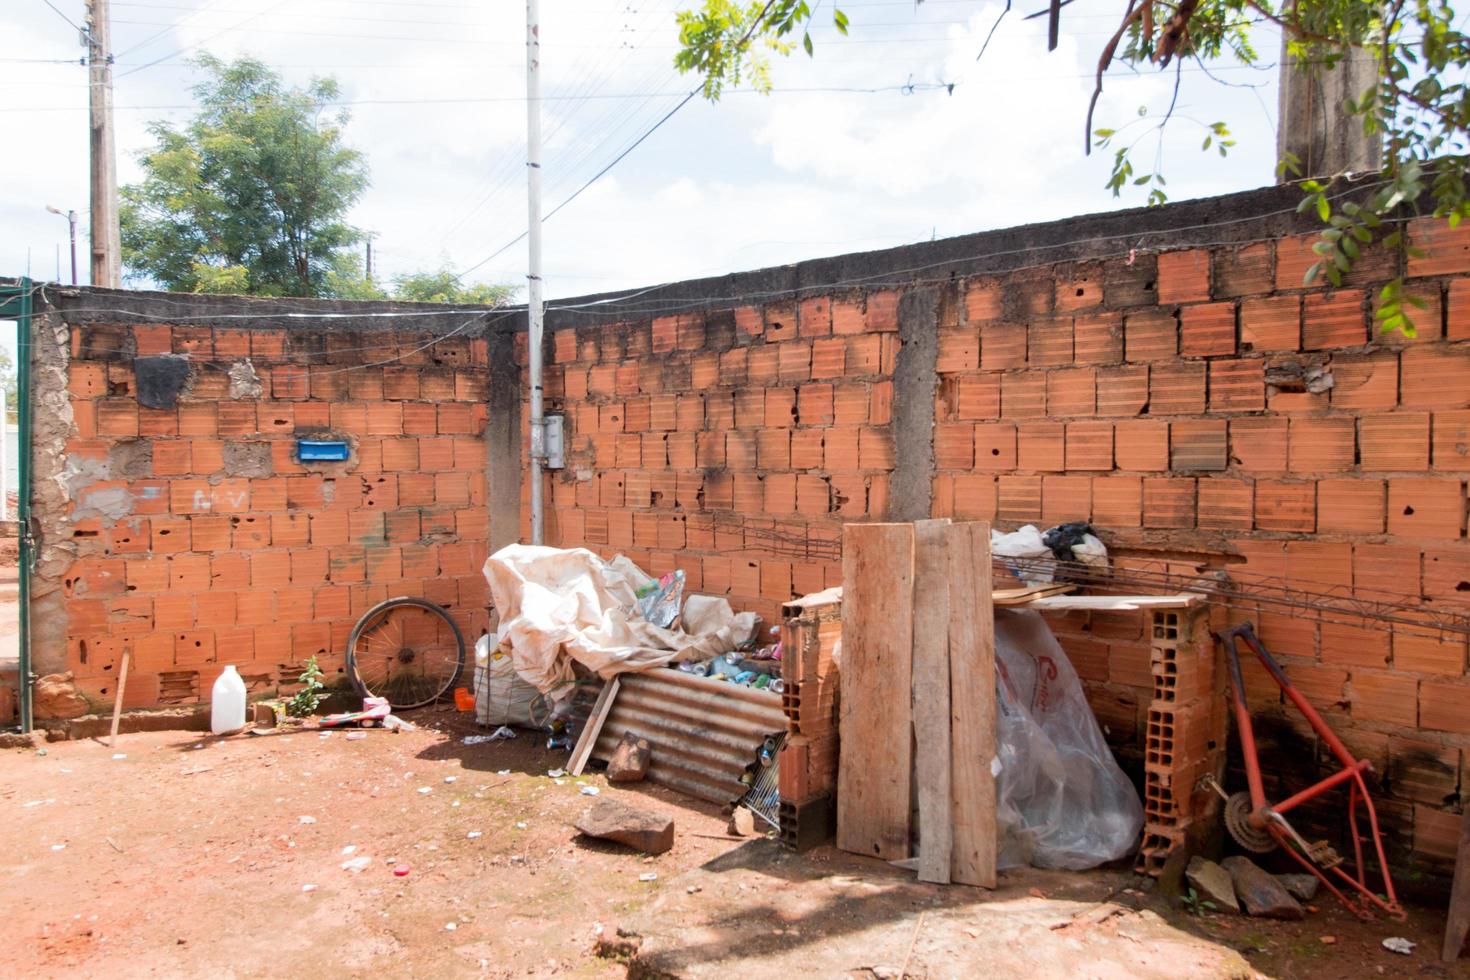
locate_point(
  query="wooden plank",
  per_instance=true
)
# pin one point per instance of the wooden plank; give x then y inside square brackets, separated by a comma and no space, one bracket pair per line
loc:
[588,741]
[972,704]
[876,724]
[122,682]
[931,698]
[1457,923]
[1113,603]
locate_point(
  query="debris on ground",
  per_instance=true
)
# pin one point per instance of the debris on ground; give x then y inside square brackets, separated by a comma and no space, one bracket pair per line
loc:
[500,734]
[1259,891]
[357,865]
[1300,886]
[1400,945]
[651,833]
[629,763]
[1213,883]
[742,822]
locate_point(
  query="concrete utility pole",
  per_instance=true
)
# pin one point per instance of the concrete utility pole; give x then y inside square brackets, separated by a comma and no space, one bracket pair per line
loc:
[1314,126]
[106,238]
[369,257]
[534,309]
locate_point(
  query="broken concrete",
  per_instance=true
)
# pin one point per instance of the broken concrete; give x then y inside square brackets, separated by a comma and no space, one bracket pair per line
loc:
[641,830]
[1213,884]
[244,382]
[629,763]
[742,822]
[1259,892]
[248,459]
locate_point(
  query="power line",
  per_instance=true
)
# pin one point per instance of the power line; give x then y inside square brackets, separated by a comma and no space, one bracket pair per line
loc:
[75,26]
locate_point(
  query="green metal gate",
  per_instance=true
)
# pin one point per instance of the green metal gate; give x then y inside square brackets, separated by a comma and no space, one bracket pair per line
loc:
[15,304]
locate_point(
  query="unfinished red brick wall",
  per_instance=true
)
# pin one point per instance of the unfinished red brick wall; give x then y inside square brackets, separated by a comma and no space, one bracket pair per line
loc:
[1197,405]
[731,444]
[199,539]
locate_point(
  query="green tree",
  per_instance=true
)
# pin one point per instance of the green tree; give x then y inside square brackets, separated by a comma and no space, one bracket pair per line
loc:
[444,287]
[1418,103]
[251,196]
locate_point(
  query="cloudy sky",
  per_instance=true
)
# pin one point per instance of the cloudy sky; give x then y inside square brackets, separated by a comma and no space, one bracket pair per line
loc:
[843,156]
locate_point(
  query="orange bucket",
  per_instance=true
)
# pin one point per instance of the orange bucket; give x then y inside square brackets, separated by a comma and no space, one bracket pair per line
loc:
[463,699]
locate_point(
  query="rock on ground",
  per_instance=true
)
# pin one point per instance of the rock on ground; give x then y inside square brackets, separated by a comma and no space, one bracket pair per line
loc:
[1259,892]
[56,696]
[629,763]
[614,820]
[1213,883]
[742,822]
[1303,887]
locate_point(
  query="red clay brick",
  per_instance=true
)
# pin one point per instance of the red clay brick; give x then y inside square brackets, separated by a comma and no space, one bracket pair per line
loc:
[1098,339]
[977,397]
[1152,335]
[1089,445]
[1197,444]
[1018,499]
[1452,441]
[1207,329]
[1282,506]
[1426,507]
[1141,444]
[1122,391]
[1446,250]
[1385,697]
[975,497]
[1049,342]
[1394,442]
[1271,324]
[1066,498]
[1184,277]
[1368,381]
[1023,395]
[1237,385]
[1071,392]
[1423,654]
[1244,271]
[1226,504]
[1002,346]
[1259,445]
[1435,377]
[1457,319]
[1336,319]
[983,300]
[1351,506]
[954,446]
[1117,501]
[959,350]
[1176,388]
[1041,446]
[1321,445]
[1442,707]
[1168,502]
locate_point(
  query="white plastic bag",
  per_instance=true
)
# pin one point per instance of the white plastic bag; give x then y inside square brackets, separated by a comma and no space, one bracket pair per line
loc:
[1061,800]
[501,697]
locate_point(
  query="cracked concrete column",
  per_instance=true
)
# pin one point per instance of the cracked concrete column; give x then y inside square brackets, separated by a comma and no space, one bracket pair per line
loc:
[1313,123]
[915,378]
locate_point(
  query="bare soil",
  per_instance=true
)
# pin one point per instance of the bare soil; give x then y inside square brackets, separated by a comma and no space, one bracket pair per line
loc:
[196,856]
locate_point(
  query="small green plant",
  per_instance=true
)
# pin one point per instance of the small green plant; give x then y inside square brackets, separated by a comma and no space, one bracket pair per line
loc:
[304,702]
[1195,905]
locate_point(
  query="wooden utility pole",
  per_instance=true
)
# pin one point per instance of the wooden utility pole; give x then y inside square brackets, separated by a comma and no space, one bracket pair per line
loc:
[1314,126]
[106,238]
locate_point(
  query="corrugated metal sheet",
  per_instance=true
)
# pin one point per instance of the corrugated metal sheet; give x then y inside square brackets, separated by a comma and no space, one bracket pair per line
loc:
[704,733]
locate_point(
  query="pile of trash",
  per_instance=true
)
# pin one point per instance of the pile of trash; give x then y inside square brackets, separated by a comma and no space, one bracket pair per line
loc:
[566,613]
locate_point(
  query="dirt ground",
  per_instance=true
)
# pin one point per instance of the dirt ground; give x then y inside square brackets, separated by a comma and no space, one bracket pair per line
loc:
[194,856]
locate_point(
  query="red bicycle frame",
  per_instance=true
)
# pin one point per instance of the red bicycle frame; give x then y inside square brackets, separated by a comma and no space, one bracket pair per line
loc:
[1268,817]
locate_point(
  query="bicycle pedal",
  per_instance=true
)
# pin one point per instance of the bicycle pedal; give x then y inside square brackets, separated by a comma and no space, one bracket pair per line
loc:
[1323,855]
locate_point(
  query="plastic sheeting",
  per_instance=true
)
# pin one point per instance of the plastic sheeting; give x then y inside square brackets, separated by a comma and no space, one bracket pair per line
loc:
[559,606]
[1062,801]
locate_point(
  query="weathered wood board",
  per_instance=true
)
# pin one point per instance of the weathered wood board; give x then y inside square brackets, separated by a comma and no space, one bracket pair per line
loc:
[972,704]
[931,697]
[875,720]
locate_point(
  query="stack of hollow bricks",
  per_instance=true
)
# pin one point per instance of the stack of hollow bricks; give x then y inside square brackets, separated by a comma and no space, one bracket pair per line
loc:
[229,550]
[1131,392]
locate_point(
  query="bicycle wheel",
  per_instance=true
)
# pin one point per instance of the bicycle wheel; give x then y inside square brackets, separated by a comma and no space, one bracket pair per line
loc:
[406,650]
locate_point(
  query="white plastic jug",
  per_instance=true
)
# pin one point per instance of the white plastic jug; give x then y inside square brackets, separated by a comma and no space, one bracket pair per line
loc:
[227,703]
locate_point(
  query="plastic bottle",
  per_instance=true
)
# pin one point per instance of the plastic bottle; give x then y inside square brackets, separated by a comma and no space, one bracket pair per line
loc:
[227,703]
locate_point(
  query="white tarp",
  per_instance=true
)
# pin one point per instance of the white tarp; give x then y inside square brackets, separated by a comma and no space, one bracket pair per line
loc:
[558,606]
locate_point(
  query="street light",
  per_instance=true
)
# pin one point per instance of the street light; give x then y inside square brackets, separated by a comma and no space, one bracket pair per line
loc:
[71,220]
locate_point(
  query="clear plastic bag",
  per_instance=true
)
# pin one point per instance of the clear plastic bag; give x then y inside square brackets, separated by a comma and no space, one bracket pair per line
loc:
[1061,800]
[659,602]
